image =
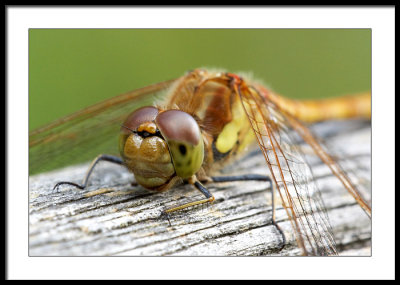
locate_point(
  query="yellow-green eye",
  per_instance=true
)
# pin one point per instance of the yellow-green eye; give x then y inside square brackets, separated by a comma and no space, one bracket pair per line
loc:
[184,140]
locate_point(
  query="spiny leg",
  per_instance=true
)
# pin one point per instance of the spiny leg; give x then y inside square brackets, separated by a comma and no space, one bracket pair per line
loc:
[101,157]
[255,177]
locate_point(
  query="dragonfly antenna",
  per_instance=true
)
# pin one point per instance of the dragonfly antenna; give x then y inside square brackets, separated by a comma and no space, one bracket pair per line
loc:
[127,128]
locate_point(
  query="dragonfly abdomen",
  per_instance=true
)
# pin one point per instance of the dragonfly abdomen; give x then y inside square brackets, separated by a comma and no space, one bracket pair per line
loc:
[310,111]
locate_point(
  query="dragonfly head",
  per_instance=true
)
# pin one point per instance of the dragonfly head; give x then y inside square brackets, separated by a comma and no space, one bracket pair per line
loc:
[160,145]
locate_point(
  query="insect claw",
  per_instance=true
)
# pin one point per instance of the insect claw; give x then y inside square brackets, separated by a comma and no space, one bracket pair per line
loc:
[55,188]
[283,242]
[164,213]
[69,183]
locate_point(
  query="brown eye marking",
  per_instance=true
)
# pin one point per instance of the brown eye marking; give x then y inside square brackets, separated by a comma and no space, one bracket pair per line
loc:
[182,149]
[178,126]
[139,117]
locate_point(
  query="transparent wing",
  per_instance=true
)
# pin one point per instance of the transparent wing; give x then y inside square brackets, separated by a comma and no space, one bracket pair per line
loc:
[348,151]
[292,175]
[85,134]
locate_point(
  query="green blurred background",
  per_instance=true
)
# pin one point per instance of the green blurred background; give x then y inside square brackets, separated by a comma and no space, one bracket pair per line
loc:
[73,68]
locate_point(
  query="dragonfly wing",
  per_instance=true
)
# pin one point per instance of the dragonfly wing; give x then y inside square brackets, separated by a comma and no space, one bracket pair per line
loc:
[292,175]
[346,149]
[85,134]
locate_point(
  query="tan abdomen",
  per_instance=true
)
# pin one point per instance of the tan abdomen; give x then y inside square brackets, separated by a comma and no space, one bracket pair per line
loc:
[345,107]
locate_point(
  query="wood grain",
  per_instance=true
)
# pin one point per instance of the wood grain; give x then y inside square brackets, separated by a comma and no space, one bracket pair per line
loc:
[113,217]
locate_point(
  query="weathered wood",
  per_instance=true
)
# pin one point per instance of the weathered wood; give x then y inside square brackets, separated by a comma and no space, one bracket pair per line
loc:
[112,217]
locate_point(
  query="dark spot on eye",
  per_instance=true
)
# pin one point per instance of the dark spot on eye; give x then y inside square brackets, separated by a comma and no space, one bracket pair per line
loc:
[182,149]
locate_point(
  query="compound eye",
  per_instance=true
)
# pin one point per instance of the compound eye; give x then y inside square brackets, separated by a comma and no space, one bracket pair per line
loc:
[183,136]
[138,117]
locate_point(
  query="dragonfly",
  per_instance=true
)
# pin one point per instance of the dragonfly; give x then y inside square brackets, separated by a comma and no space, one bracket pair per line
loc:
[200,122]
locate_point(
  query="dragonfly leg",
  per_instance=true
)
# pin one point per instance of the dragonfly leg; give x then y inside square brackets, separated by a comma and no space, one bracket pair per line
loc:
[255,177]
[209,198]
[101,157]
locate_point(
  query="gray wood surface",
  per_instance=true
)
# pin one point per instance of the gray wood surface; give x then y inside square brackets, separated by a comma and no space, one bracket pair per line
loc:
[112,217]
